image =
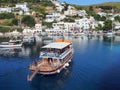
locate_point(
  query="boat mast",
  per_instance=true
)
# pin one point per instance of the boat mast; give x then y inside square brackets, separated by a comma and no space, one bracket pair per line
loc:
[112,18]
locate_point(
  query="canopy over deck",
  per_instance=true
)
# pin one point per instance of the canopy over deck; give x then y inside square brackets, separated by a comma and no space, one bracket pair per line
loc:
[57,45]
[62,40]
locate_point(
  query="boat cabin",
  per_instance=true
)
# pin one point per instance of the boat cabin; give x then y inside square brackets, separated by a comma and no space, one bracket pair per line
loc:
[54,50]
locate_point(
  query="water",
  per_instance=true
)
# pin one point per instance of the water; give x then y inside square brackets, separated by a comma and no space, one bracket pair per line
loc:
[95,66]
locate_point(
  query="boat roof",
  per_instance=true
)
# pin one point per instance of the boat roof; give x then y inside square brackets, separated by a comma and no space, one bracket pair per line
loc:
[57,45]
[62,40]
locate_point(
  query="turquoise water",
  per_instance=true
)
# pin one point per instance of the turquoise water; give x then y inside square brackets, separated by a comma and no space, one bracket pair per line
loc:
[95,66]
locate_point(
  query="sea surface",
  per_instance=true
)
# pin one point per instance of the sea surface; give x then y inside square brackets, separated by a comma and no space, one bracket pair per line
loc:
[95,66]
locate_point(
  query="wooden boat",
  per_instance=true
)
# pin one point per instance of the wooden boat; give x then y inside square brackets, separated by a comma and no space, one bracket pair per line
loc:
[55,57]
[11,43]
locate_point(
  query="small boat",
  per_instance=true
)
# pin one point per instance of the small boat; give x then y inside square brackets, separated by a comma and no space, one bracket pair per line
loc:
[10,51]
[53,59]
[89,35]
[75,35]
[28,40]
[11,43]
[47,40]
[109,36]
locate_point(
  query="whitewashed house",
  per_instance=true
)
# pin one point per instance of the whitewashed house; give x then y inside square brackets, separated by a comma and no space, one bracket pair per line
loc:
[37,29]
[67,26]
[27,31]
[117,25]
[22,6]
[71,11]
[53,16]
[59,25]
[116,14]
[7,9]
[86,23]
[83,23]
[93,23]
[59,8]
[102,14]
[55,31]
[70,26]
[81,13]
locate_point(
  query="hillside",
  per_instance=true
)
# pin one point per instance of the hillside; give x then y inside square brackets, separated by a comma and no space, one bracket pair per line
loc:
[113,4]
[104,6]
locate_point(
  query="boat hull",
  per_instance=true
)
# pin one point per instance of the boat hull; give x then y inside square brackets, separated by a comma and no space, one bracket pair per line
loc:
[10,46]
[57,70]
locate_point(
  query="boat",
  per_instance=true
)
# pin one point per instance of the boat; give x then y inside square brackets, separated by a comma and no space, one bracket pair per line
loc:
[89,35]
[11,44]
[10,51]
[75,35]
[28,40]
[109,36]
[47,40]
[54,57]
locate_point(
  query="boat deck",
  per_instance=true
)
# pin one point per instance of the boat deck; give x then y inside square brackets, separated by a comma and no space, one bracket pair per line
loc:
[44,65]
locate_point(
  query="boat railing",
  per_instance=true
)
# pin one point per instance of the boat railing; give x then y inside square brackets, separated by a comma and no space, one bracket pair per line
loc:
[65,53]
[49,54]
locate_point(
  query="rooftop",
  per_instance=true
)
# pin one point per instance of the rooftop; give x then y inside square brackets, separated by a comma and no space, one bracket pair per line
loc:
[57,45]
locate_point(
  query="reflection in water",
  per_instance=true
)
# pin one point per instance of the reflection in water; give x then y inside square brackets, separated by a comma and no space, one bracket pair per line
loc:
[111,78]
[20,52]
[10,51]
[96,66]
[109,39]
[54,82]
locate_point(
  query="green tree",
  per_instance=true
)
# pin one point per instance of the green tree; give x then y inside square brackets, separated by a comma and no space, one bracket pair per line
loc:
[103,18]
[96,16]
[90,8]
[28,21]
[107,25]
[4,29]
[15,21]
[68,19]
[99,27]
[117,18]
[6,15]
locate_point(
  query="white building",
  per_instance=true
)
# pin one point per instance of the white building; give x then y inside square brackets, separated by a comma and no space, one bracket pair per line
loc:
[61,27]
[117,25]
[86,23]
[70,26]
[116,15]
[8,9]
[59,8]
[101,22]
[71,11]
[102,14]
[81,13]
[38,26]
[27,31]
[67,26]
[37,29]
[22,6]
[54,31]
[53,16]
